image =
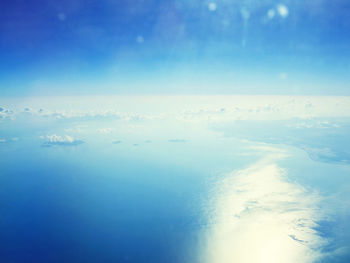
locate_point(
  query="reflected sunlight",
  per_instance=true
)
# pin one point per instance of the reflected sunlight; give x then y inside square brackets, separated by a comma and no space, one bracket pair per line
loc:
[257,215]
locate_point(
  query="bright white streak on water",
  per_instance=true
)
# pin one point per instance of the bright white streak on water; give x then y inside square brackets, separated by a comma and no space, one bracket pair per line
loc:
[257,215]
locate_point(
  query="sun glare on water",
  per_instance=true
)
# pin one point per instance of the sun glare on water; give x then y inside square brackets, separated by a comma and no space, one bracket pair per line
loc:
[256,215]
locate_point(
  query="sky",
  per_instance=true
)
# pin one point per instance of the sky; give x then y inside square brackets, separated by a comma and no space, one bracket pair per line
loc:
[99,47]
[154,174]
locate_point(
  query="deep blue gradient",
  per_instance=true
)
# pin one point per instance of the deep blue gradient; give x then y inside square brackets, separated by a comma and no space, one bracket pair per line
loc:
[79,47]
[125,203]
[103,202]
[58,210]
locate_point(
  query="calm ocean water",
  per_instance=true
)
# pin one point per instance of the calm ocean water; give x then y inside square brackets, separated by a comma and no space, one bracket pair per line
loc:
[112,187]
[81,204]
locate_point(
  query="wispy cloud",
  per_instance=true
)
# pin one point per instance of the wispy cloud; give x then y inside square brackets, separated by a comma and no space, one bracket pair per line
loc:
[185,108]
[86,115]
[105,130]
[257,215]
[8,140]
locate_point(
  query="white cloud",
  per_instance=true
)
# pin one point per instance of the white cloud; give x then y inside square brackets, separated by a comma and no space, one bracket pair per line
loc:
[257,215]
[184,108]
[56,138]
[93,114]
[65,140]
[76,129]
[313,124]
[105,130]
[3,140]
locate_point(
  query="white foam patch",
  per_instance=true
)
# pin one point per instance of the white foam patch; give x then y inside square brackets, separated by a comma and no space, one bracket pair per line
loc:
[257,215]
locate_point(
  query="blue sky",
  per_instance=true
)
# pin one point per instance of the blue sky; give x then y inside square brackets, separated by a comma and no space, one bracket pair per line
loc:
[166,47]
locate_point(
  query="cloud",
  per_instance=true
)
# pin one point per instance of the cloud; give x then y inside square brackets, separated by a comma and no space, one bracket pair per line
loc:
[193,109]
[105,130]
[13,139]
[312,124]
[258,215]
[87,115]
[6,114]
[75,114]
[65,140]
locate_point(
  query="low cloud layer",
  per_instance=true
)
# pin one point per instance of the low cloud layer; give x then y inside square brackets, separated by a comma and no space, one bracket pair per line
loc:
[185,108]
